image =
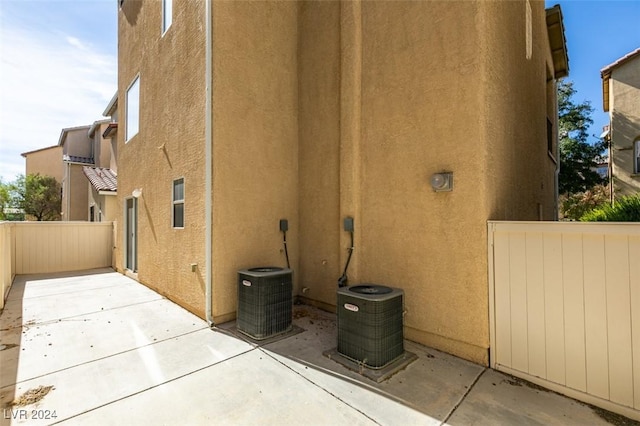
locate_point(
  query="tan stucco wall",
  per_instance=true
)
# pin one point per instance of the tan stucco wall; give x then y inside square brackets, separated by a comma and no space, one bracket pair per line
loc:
[102,150]
[46,162]
[75,197]
[77,142]
[168,146]
[323,110]
[518,168]
[624,113]
[255,151]
[106,206]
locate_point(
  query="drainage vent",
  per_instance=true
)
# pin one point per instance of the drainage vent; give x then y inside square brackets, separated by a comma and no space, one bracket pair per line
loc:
[264,301]
[370,324]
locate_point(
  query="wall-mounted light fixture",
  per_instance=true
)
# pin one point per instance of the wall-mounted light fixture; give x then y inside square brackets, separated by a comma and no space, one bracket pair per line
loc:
[441,182]
[136,193]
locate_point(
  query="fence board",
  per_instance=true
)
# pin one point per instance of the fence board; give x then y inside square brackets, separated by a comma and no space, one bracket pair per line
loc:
[619,319]
[634,293]
[572,272]
[518,283]
[554,308]
[535,304]
[566,308]
[595,316]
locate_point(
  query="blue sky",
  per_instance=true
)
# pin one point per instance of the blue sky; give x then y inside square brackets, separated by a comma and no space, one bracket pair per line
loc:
[58,69]
[598,32]
[58,64]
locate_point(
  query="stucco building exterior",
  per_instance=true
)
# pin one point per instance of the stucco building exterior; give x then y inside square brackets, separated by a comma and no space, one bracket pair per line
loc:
[621,98]
[234,115]
[45,161]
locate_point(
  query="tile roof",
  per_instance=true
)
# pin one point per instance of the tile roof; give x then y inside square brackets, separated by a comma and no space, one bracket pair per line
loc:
[620,61]
[101,179]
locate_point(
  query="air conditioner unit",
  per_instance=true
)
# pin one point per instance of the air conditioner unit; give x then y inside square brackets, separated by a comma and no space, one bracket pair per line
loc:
[264,301]
[370,324]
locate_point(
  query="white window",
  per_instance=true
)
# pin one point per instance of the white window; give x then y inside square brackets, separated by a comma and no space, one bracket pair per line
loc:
[167,14]
[132,109]
[636,156]
[178,203]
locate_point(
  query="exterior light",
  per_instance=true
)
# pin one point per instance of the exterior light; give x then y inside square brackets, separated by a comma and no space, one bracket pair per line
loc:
[441,182]
[137,193]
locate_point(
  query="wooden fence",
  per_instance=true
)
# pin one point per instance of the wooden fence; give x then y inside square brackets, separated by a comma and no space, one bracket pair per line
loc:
[565,308]
[46,247]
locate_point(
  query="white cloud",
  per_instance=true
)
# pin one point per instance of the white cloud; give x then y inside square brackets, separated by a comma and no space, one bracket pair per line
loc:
[47,82]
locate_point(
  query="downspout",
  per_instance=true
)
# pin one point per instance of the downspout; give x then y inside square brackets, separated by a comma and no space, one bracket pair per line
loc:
[208,142]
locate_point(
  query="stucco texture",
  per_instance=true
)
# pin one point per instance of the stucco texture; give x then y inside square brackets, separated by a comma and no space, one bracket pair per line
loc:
[327,110]
[168,146]
[46,162]
[624,113]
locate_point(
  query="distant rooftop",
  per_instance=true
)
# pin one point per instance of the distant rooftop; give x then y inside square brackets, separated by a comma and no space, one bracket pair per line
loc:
[102,179]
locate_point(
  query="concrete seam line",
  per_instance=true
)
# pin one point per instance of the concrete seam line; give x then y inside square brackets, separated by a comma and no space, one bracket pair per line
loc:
[57,320]
[318,386]
[154,386]
[104,357]
[455,407]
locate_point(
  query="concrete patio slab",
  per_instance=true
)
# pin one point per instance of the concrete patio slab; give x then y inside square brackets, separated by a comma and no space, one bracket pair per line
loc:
[128,373]
[251,389]
[121,354]
[497,399]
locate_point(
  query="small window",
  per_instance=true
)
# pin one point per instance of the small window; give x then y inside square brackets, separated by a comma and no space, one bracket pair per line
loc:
[636,156]
[167,14]
[178,203]
[132,109]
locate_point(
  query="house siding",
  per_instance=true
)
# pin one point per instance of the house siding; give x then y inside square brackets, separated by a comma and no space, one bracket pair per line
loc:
[624,113]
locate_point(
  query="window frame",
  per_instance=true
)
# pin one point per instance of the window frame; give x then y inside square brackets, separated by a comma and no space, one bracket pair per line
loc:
[177,201]
[166,18]
[127,109]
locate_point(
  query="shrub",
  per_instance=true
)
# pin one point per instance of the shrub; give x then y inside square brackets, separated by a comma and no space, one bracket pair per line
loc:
[574,206]
[626,209]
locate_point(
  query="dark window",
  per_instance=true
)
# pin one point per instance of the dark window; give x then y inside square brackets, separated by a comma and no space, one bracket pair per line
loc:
[178,203]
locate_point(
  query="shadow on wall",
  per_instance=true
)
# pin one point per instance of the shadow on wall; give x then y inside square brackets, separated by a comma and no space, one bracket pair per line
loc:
[131,10]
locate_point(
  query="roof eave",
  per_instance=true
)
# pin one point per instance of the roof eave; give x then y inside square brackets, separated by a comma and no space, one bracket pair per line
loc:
[557,42]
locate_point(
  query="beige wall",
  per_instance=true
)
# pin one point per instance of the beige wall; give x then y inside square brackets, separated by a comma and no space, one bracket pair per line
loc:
[323,110]
[168,146]
[106,206]
[46,162]
[75,200]
[77,142]
[624,113]
[255,141]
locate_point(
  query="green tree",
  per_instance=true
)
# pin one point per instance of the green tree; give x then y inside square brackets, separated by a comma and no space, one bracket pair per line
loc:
[578,158]
[5,198]
[38,196]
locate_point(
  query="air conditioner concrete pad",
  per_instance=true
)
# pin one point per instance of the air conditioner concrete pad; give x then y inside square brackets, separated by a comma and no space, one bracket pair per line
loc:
[291,332]
[377,375]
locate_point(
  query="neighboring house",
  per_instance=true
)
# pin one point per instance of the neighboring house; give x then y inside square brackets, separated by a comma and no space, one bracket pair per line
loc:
[102,201]
[621,98]
[45,161]
[76,153]
[235,115]
[103,189]
[85,147]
